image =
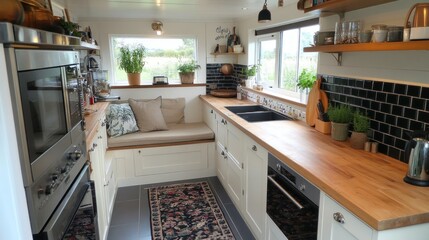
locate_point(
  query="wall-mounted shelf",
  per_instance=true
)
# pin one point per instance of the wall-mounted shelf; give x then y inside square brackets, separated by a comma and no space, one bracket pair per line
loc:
[370,47]
[341,6]
[229,53]
[89,46]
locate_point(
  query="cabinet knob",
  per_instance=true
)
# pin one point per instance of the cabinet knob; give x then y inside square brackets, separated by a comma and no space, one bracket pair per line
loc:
[254,148]
[211,111]
[103,123]
[339,217]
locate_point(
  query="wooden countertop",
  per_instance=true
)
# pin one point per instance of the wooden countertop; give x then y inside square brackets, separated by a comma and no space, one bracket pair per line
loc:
[95,111]
[370,185]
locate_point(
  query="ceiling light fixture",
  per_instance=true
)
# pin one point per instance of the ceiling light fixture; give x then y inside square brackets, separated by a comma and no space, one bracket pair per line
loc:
[264,14]
[157,27]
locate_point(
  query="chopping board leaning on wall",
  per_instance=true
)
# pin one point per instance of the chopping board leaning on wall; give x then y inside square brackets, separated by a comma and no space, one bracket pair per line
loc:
[313,98]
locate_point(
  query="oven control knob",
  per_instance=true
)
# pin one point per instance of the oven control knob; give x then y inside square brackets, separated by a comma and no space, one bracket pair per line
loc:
[75,155]
[48,189]
[302,187]
[63,169]
[279,167]
[54,177]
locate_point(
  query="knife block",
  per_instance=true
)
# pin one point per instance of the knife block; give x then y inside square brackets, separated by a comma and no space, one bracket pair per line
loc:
[323,127]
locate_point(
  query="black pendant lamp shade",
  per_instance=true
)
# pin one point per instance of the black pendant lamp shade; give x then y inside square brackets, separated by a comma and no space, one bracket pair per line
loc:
[264,14]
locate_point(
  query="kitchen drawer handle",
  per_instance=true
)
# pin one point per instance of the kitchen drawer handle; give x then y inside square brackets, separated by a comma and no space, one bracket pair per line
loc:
[94,145]
[107,184]
[254,148]
[103,123]
[339,217]
[271,179]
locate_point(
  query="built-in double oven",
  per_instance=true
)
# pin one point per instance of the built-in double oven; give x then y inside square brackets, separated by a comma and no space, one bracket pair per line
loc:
[292,201]
[46,91]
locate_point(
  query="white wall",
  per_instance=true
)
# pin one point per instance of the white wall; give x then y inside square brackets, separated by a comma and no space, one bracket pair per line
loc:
[14,219]
[411,67]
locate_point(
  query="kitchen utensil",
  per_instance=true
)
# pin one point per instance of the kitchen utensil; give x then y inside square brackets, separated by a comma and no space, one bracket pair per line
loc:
[420,23]
[227,69]
[233,40]
[224,93]
[320,110]
[313,98]
[417,155]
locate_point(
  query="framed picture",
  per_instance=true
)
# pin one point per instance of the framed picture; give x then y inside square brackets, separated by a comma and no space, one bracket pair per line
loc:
[58,10]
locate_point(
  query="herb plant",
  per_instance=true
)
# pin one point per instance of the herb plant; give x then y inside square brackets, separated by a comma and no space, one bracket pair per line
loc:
[188,67]
[360,123]
[251,70]
[131,58]
[306,79]
[340,114]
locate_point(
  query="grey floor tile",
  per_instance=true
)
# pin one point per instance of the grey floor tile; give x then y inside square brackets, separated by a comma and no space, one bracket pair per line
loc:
[236,223]
[145,227]
[219,191]
[124,232]
[125,212]
[128,193]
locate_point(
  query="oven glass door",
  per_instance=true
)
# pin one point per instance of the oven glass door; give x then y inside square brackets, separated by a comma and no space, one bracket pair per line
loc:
[295,223]
[74,94]
[43,108]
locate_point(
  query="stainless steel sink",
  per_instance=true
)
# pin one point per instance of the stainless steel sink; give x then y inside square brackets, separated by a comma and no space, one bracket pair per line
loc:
[257,113]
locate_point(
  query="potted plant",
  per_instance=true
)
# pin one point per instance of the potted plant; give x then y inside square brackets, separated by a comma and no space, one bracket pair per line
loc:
[187,71]
[360,130]
[131,61]
[340,117]
[249,74]
[305,82]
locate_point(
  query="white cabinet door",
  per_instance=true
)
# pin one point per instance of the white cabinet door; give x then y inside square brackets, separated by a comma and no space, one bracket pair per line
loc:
[209,116]
[337,223]
[109,191]
[235,182]
[274,232]
[255,187]
[221,164]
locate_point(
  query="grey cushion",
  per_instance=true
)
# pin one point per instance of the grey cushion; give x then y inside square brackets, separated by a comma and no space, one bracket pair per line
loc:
[120,119]
[177,133]
[148,114]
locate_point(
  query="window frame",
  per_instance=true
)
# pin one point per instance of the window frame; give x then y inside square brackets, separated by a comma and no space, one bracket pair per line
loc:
[277,34]
[112,79]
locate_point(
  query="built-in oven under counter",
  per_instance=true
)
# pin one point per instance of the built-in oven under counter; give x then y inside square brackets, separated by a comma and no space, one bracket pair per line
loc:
[292,201]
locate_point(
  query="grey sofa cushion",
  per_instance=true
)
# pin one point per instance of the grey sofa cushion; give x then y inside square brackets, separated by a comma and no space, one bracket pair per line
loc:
[176,133]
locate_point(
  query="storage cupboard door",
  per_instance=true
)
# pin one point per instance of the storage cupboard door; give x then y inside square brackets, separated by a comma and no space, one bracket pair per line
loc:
[339,224]
[235,182]
[255,187]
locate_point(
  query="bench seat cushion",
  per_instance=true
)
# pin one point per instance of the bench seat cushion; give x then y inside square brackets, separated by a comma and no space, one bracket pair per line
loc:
[181,132]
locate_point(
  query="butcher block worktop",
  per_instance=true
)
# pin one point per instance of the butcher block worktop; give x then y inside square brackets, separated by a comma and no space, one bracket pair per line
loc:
[94,114]
[370,185]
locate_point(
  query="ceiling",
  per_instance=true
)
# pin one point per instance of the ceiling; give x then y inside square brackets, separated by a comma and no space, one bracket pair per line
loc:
[207,10]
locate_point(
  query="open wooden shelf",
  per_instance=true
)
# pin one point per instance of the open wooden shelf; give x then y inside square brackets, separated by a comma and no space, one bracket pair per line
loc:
[369,47]
[341,6]
[229,53]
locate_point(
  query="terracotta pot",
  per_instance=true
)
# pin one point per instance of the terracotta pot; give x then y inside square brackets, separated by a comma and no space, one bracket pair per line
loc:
[11,11]
[339,131]
[133,79]
[187,78]
[358,139]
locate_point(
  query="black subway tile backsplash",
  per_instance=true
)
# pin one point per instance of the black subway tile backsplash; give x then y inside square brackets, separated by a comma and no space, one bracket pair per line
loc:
[395,109]
[215,79]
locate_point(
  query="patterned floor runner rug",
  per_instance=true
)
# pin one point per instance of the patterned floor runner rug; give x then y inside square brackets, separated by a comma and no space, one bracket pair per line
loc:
[187,211]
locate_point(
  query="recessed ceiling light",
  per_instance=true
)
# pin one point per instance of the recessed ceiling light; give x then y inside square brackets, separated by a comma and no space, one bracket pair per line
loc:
[244,8]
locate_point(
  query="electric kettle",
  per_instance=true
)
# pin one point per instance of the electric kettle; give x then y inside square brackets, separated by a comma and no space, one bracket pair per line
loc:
[417,155]
[420,24]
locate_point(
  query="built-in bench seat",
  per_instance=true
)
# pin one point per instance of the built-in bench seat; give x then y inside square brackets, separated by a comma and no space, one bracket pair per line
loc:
[176,134]
[184,150]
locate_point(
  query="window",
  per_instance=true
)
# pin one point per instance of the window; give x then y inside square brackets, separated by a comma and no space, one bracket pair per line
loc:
[162,57]
[280,53]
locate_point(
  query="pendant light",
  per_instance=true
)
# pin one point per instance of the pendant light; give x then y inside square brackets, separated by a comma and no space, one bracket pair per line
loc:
[264,14]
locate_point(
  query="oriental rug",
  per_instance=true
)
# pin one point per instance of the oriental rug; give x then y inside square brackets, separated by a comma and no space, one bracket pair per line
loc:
[187,211]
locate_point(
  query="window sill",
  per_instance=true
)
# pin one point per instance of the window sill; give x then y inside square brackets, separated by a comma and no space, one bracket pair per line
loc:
[172,85]
[278,96]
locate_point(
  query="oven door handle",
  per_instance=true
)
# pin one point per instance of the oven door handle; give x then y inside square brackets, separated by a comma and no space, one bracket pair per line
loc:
[271,179]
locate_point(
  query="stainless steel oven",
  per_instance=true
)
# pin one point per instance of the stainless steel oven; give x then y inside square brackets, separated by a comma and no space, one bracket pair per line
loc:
[292,201]
[75,217]
[47,95]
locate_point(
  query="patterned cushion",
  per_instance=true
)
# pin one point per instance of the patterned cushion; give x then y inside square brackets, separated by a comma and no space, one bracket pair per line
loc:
[121,120]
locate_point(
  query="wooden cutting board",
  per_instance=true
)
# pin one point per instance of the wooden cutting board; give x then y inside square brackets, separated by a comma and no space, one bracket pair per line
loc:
[313,98]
